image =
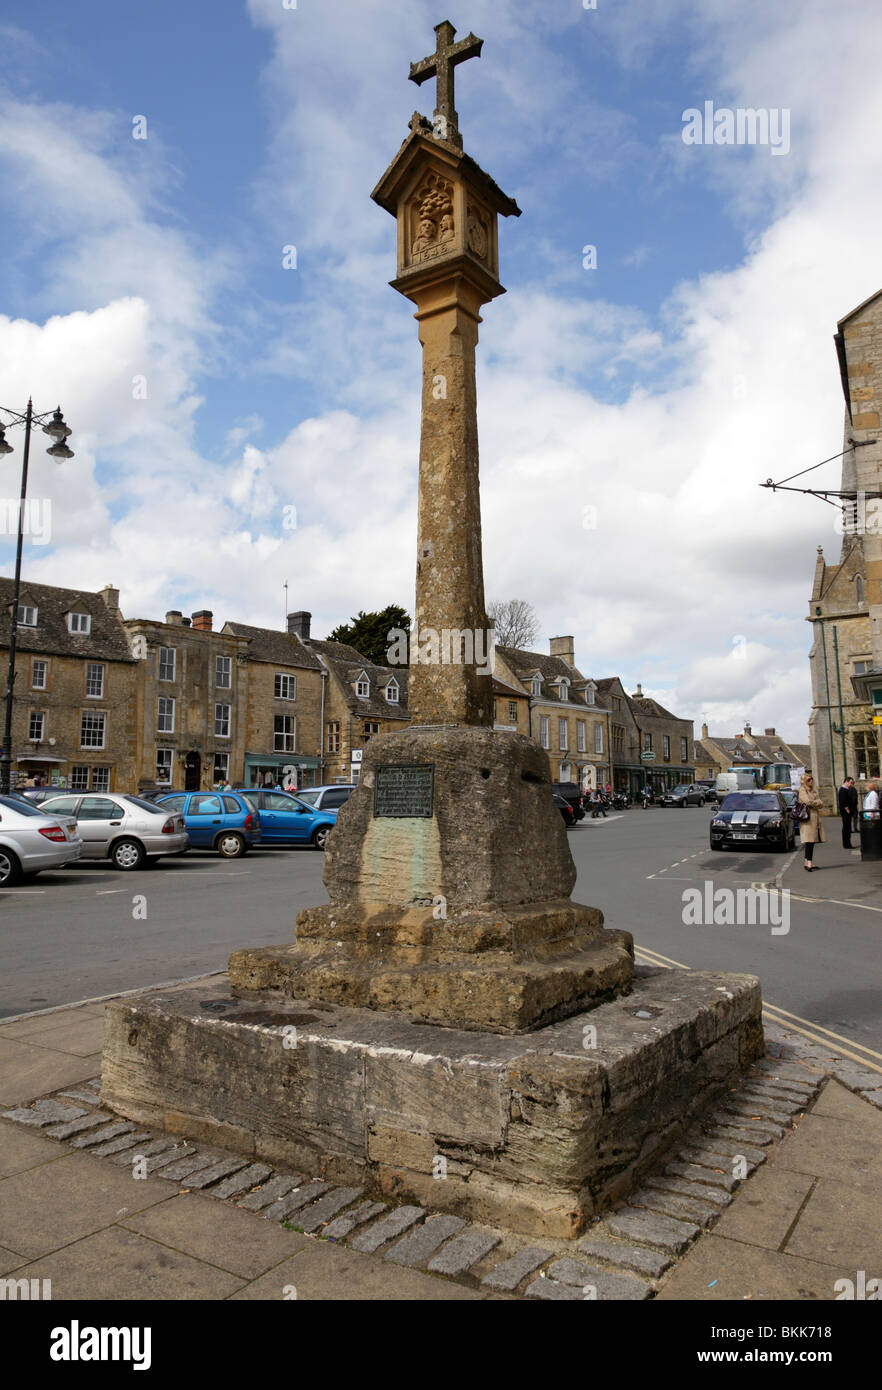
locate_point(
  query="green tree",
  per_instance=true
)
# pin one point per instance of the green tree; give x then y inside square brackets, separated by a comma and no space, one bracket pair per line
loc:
[369,633]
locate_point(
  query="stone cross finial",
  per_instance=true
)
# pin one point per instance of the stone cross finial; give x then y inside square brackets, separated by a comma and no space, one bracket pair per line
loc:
[440,64]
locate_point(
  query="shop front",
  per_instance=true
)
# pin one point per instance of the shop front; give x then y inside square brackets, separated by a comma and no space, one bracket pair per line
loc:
[290,770]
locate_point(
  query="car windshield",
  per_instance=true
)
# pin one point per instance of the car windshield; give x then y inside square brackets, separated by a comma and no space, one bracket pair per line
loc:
[751,801]
[681,787]
[24,808]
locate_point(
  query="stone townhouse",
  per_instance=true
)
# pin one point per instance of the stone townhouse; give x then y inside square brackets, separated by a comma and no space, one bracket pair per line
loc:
[564,715]
[649,743]
[191,701]
[511,708]
[287,688]
[845,609]
[748,749]
[362,700]
[73,717]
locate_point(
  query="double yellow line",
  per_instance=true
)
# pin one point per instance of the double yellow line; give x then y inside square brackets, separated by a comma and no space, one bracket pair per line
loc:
[856,1052]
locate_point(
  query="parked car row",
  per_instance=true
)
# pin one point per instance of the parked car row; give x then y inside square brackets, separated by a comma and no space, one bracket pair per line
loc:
[39,831]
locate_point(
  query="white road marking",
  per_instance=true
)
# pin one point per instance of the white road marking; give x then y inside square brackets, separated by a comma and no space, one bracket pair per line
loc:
[104,892]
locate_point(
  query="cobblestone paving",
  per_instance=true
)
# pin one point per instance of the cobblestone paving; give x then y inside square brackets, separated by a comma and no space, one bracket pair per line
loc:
[620,1256]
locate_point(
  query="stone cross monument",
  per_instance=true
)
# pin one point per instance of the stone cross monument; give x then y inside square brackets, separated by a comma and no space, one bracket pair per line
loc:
[449,877]
[449,871]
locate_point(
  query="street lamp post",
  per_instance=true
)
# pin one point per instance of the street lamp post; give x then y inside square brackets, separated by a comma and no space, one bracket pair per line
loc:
[53,424]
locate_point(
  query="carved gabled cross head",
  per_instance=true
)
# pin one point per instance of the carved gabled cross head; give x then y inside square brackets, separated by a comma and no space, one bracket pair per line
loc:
[441,64]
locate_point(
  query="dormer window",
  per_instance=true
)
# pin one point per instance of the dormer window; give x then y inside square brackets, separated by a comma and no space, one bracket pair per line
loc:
[27,616]
[563,690]
[590,688]
[392,692]
[536,687]
[363,687]
[79,622]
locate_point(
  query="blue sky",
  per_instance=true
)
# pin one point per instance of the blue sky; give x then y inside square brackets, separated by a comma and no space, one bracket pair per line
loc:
[657,390]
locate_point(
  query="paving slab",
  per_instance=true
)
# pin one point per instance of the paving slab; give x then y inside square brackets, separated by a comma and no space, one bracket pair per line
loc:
[672,1204]
[219,1233]
[511,1272]
[71,1032]
[43,1114]
[648,1228]
[719,1269]
[58,1020]
[72,1127]
[243,1181]
[153,1146]
[465,1250]
[10,1260]
[60,1202]
[633,1257]
[552,1291]
[95,1137]
[699,1174]
[286,1208]
[185,1167]
[766,1207]
[24,1148]
[828,1147]
[325,1270]
[125,1141]
[838,1103]
[27,1071]
[339,1228]
[839,1225]
[223,1168]
[327,1207]
[277,1187]
[595,1283]
[120,1264]
[419,1245]
[395,1223]
[702,1192]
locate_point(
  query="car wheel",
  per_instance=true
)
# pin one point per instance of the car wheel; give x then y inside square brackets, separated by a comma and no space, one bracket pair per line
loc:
[10,869]
[320,838]
[231,845]
[128,854]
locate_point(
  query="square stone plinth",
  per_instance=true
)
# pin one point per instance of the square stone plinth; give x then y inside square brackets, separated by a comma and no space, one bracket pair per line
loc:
[535,1132]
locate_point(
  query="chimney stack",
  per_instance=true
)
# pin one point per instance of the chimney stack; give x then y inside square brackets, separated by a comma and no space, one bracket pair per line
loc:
[174,617]
[704,733]
[111,597]
[203,620]
[299,624]
[638,693]
[563,647]
[769,733]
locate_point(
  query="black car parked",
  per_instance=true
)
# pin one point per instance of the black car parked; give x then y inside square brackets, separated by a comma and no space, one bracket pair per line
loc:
[753,820]
[571,793]
[566,810]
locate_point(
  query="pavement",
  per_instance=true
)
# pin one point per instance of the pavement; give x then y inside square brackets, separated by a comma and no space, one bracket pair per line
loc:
[806,1124]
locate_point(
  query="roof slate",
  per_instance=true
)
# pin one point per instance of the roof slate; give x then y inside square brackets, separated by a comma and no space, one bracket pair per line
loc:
[107,640]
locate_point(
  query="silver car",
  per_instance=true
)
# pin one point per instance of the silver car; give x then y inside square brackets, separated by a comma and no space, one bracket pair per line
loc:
[122,828]
[31,841]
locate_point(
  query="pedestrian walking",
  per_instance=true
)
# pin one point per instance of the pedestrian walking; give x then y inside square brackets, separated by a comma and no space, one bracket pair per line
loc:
[848,805]
[811,830]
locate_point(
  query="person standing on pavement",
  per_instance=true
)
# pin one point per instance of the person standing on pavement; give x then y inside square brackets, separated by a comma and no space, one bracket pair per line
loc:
[811,830]
[848,804]
[871,800]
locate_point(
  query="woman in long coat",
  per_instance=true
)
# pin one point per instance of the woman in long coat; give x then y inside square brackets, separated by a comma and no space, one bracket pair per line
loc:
[811,830]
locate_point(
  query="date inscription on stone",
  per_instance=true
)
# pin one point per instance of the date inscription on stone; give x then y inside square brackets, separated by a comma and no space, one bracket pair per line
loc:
[404,790]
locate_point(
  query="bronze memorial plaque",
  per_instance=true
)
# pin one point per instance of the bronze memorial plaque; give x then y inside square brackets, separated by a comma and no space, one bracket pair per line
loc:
[404,790]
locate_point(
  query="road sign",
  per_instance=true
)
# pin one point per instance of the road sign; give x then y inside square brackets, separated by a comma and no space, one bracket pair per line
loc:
[648,757]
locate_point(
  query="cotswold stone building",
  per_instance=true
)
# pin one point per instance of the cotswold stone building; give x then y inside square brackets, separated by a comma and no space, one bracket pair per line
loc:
[362,700]
[747,749]
[563,716]
[73,715]
[191,701]
[650,745]
[845,609]
[287,686]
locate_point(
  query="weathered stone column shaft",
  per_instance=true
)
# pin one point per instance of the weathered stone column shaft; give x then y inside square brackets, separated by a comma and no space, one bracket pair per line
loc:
[450,680]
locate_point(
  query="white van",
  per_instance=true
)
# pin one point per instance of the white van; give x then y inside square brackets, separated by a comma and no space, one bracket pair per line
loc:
[740,780]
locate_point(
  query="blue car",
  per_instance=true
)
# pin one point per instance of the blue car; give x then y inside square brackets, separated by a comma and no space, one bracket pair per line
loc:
[222,821]
[286,820]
